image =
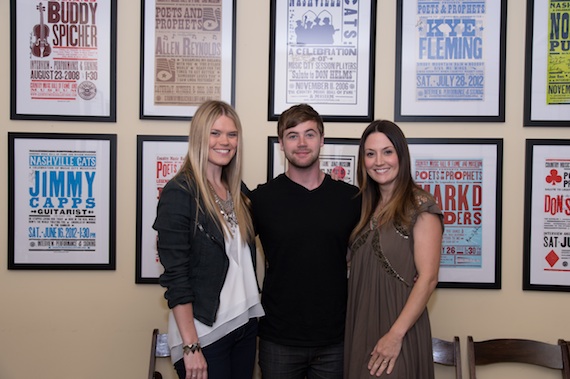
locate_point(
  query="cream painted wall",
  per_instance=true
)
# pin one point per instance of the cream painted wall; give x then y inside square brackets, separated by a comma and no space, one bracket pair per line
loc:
[89,325]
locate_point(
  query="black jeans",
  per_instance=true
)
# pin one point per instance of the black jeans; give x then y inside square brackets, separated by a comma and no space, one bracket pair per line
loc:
[299,362]
[231,357]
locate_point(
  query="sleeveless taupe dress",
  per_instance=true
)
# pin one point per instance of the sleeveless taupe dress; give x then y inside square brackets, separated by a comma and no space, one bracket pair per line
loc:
[381,278]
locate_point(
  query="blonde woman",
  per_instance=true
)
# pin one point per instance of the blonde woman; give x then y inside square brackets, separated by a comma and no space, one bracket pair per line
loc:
[206,245]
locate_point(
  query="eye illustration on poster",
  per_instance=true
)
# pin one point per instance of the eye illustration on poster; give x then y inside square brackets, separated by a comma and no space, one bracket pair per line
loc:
[63,60]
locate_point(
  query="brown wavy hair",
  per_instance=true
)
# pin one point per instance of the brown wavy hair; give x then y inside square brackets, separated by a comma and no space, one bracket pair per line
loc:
[402,202]
[296,115]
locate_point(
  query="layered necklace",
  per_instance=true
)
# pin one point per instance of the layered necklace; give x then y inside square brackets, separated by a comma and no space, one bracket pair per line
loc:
[226,208]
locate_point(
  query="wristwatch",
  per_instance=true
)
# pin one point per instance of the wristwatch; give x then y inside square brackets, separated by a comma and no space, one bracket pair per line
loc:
[192,348]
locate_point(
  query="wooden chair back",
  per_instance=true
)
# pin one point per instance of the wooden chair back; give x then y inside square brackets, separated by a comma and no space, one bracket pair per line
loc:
[448,353]
[158,349]
[518,351]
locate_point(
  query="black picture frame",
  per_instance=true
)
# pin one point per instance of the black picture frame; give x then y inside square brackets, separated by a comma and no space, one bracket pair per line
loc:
[485,160]
[159,158]
[331,67]
[547,72]
[60,78]
[62,201]
[170,86]
[546,262]
[432,88]
[465,177]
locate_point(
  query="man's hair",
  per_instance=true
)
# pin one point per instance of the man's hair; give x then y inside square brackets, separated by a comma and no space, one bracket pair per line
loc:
[296,115]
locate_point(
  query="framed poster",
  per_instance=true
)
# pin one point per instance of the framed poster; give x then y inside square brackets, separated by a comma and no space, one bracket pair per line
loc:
[323,53]
[450,60]
[338,155]
[465,177]
[62,199]
[63,60]
[546,263]
[159,158]
[547,64]
[187,56]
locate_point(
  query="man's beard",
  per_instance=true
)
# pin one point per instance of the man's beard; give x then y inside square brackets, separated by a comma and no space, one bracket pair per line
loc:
[292,161]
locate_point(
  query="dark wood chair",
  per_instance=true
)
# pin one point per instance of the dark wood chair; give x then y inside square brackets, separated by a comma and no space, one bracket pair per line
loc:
[447,353]
[518,351]
[565,346]
[158,349]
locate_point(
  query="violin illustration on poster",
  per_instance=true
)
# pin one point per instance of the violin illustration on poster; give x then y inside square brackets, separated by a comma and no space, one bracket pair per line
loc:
[40,47]
[64,60]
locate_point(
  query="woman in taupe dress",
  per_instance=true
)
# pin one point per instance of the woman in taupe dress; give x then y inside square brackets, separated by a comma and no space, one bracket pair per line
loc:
[394,263]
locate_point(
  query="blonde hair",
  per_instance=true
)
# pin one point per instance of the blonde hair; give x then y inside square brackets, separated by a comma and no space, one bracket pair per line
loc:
[196,162]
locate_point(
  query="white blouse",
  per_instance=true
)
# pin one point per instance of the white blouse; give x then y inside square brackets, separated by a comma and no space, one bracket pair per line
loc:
[239,300]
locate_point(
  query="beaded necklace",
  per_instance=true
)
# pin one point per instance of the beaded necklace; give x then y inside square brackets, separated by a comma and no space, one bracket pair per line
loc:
[226,208]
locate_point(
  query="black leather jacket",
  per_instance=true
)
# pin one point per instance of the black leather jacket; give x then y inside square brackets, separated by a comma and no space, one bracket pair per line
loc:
[191,248]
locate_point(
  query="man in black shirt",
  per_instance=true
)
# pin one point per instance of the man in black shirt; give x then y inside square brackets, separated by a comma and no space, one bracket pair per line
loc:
[304,219]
